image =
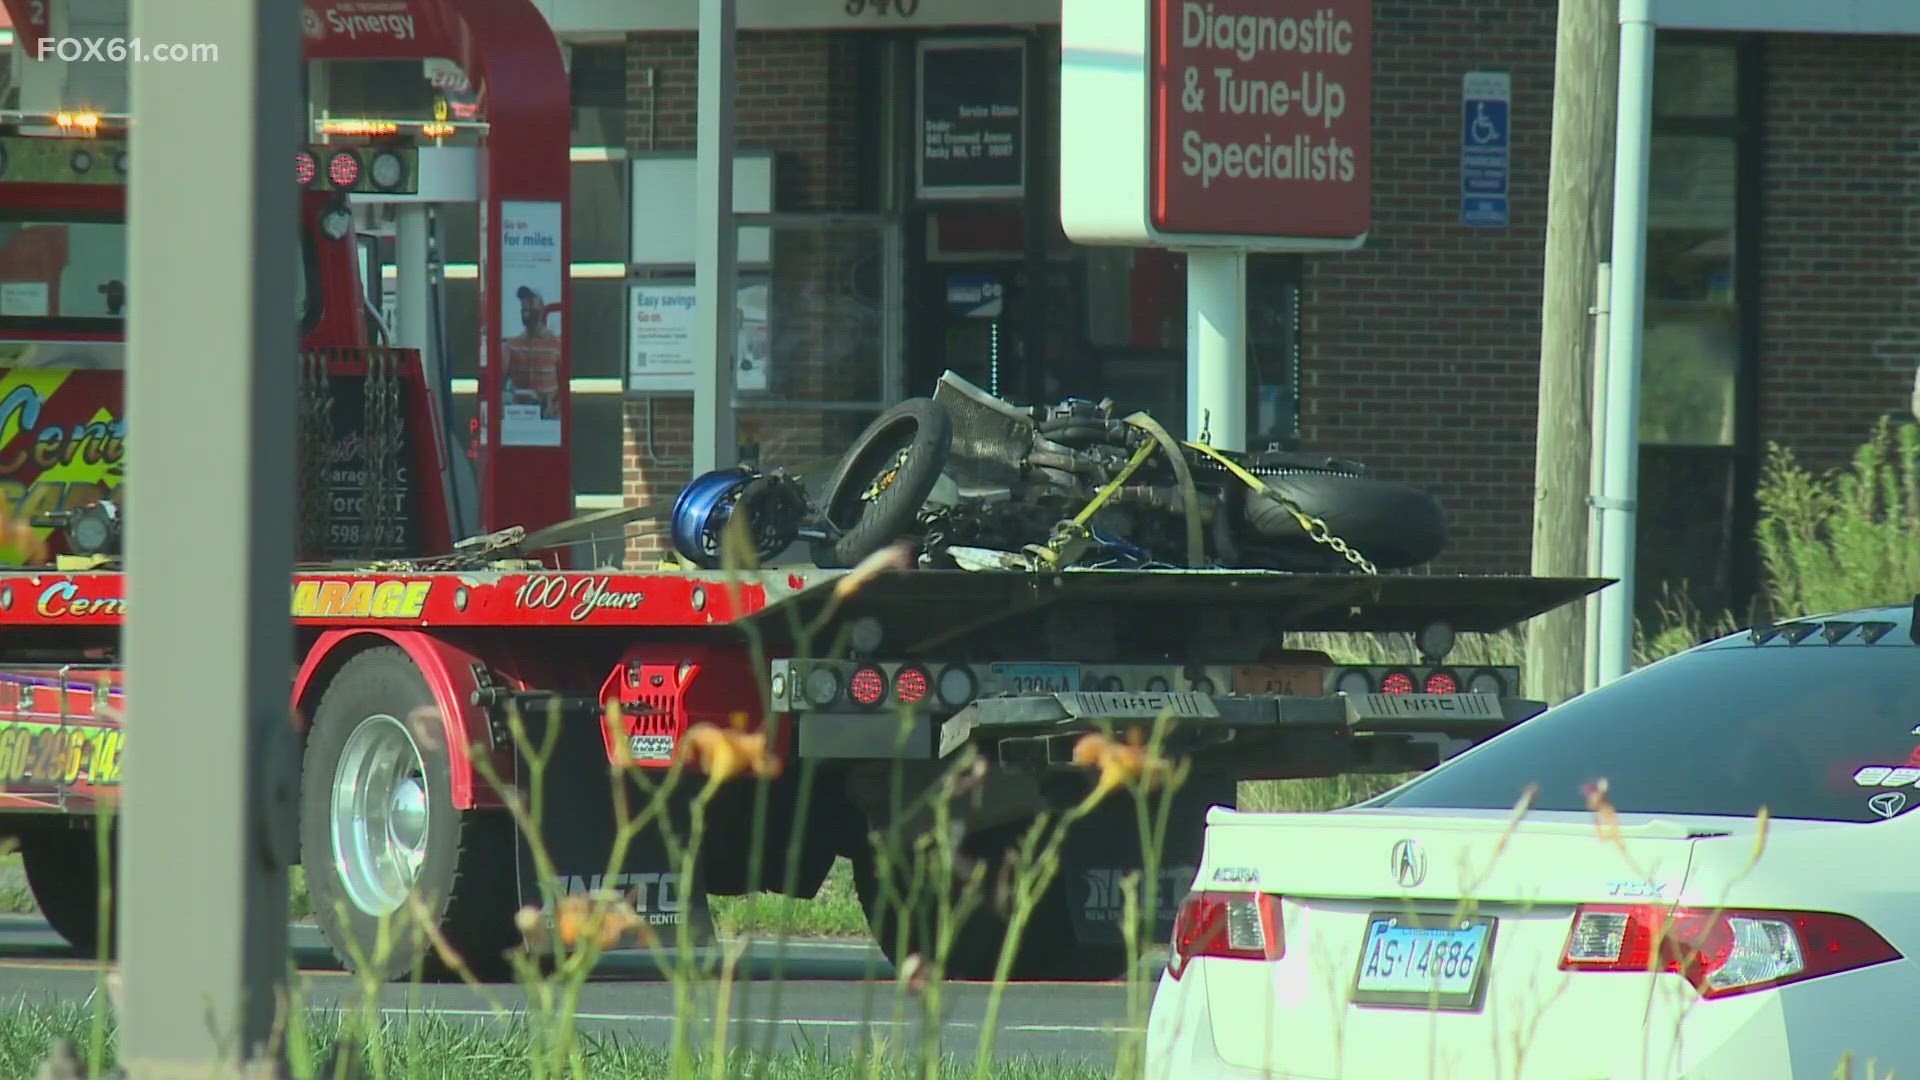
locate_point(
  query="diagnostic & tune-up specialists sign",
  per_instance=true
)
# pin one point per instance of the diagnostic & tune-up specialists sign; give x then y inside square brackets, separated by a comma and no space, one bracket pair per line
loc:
[1217,123]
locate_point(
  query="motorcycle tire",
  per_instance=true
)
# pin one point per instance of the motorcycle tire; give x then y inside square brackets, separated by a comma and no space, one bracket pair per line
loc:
[918,426]
[1395,526]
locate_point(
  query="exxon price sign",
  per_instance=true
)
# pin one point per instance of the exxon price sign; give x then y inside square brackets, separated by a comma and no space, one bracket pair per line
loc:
[1217,123]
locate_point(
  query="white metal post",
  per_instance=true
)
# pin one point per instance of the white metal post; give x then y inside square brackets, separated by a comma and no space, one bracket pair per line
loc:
[412,296]
[716,438]
[208,809]
[1217,347]
[1596,466]
[1618,504]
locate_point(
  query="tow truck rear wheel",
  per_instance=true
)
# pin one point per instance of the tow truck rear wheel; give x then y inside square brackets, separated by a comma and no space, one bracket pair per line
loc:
[1048,950]
[63,873]
[381,840]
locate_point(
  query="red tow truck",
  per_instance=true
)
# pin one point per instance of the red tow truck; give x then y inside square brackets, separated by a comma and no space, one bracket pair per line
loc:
[399,617]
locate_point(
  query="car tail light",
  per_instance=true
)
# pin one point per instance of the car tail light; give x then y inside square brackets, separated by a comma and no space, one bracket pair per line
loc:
[1229,925]
[868,686]
[1442,681]
[1397,682]
[1721,952]
[910,684]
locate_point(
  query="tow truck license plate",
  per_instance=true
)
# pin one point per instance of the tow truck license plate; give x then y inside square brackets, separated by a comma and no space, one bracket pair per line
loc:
[1439,965]
[1037,678]
[1420,706]
[1151,706]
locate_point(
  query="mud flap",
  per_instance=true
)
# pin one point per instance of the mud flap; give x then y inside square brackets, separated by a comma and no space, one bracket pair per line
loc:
[1105,848]
[579,821]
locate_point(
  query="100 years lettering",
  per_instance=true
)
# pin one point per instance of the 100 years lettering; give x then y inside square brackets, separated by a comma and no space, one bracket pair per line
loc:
[581,597]
[1222,90]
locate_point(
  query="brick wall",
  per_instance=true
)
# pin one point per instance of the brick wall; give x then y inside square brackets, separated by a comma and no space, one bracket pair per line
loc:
[797,97]
[1840,254]
[1420,352]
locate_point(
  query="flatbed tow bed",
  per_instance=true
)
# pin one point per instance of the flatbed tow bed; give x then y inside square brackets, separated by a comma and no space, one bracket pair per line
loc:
[872,690]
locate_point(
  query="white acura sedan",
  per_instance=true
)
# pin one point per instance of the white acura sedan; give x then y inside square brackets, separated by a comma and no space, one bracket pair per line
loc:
[1493,919]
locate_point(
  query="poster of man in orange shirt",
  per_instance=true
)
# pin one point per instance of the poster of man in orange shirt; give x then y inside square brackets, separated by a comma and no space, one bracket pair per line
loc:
[533,324]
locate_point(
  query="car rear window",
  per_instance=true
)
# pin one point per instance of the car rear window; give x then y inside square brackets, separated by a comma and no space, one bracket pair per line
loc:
[1816,731]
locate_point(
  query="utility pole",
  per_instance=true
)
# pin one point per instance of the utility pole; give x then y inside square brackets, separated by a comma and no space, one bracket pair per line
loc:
[1579,222]
[203,887]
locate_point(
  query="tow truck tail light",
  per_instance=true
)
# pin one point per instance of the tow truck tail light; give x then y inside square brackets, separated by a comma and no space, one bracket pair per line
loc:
[1721,952]
[868,686]
[1226,925]
[911,683]
[1424,679]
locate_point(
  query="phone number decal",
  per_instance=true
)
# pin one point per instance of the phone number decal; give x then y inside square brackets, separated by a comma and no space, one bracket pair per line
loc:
[46,754]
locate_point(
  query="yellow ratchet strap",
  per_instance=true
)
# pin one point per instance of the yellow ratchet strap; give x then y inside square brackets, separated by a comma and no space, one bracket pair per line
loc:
[1189,495]
[1070,538]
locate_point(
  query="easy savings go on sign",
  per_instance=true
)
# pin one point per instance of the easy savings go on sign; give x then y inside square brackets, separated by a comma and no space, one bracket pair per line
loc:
[1217,123]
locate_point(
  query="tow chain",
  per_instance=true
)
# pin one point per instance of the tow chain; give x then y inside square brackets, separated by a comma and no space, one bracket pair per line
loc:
[1315,527]
[380,423]
[315,443]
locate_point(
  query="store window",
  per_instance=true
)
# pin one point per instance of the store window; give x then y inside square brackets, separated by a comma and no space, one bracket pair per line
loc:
[599,320]
[599,206]
[1136,329]
[596,426]
[1698,458]
[1691,351]
[598,78]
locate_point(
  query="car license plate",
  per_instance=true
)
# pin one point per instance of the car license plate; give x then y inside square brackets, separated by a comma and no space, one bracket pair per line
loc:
[1425,706]
[1037,678]
[1439,962]
[1295,680]
[1182,704]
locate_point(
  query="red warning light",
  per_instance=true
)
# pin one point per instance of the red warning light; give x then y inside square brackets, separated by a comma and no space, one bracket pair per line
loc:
[868,686]
[343,169]
[305,167]
[1397,682]
[911,684]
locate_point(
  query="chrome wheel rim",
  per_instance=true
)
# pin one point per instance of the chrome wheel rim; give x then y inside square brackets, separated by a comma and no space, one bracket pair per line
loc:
[379,814]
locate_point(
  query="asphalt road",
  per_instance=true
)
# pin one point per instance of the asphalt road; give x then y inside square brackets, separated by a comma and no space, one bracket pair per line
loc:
[827,992]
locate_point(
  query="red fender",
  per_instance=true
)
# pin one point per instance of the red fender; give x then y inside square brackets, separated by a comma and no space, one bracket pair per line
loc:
[452,676]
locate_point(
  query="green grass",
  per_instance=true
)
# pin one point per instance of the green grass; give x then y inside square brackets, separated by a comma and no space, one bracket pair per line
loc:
[14,897]
[424,1047]
[834,911]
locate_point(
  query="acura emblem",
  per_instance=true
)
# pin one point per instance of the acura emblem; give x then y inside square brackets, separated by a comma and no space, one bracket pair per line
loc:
[1409,863]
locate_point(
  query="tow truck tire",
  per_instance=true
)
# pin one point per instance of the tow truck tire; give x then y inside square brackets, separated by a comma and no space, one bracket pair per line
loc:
[922,428]
[1395,526]
[1048,951]
[63,873]
[375,798]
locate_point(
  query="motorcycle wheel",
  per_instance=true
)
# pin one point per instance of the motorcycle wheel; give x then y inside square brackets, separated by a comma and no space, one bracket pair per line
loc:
[1395,526]
[902,453]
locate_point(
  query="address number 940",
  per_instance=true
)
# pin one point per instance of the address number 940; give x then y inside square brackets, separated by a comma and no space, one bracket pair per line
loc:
[905,9]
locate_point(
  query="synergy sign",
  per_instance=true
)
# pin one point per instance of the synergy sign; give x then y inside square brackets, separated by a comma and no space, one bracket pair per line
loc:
[1217,123]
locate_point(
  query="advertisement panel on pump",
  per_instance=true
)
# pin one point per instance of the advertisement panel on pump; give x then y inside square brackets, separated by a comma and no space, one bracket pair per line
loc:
[533,324]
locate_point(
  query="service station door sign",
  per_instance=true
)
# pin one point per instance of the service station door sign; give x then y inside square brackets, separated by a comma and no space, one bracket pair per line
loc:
[972,118]
[1251,129]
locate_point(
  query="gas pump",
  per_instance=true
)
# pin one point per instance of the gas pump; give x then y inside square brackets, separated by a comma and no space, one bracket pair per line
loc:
[446,170]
